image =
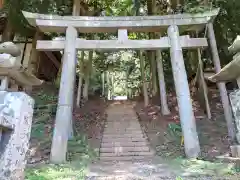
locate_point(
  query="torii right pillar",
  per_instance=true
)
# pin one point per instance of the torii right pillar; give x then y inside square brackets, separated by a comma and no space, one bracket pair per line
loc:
[188,124]
[222,87]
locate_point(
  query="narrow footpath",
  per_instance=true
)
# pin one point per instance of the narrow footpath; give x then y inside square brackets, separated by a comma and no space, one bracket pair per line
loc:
[123,139]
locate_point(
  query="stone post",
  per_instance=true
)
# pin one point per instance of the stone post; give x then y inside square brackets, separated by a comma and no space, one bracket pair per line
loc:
[235,102]
[222,88]
[188,124]
[65,100]
[4,83]
[163,95]
[15,122]
[238,82]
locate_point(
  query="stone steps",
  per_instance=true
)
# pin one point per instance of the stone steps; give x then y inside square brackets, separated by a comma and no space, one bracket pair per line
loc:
[123,125]
[107,132]
[122,129]
[124,154]
[132,135]
[123,139]
[124,144]
[122,158]
[124,149]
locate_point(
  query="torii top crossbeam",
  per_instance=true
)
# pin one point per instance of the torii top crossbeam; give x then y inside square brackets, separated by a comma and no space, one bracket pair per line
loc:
[84,24]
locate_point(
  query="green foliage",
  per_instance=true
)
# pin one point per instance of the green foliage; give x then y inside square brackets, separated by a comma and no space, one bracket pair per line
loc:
[57,172]
[175,131]
[79,152]
[200,168]
[226,25]
[175,127]
[13,9]
[179,178]
[196,6]
[78,149]
[43,97]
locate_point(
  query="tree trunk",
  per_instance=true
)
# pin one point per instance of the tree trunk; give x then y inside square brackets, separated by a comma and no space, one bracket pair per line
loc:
[205,2]
[153,68]
[34,55]
[126,84]
[79,92]
[103,84]
[144,85]
[76,8]
[112,84]
[87,76]
[34,58]
[108,86]
[8,33]
[85,88]
[162,86]
[58,78]
[1,4]
[153,63]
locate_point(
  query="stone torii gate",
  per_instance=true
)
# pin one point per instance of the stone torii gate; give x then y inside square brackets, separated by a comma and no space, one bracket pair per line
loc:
[71,25]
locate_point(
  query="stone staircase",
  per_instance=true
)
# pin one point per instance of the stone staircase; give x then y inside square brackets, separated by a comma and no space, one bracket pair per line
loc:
[123,139]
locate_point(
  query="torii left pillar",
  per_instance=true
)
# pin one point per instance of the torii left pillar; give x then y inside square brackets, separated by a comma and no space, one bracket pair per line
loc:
[65,99]
[188,124]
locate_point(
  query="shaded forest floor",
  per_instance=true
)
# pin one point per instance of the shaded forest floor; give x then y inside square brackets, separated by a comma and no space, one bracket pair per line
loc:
[212,133]
[82,149]
[88,127]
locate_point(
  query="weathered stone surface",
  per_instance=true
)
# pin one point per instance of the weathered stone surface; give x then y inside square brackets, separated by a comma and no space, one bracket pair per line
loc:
[235,47]
[11,67]
[235,102]
[235,151]
[8,61]
[10,48]
[152,44]
[63,124]
[221,86]
[228,72]
[16,111]
[191,142]
[4,83]
[53,23]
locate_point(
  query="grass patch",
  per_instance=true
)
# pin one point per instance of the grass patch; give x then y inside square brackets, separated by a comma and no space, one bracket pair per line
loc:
[43,97]
[79,152]
[79,155]
[78,149]
[186,167]
[71,171]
